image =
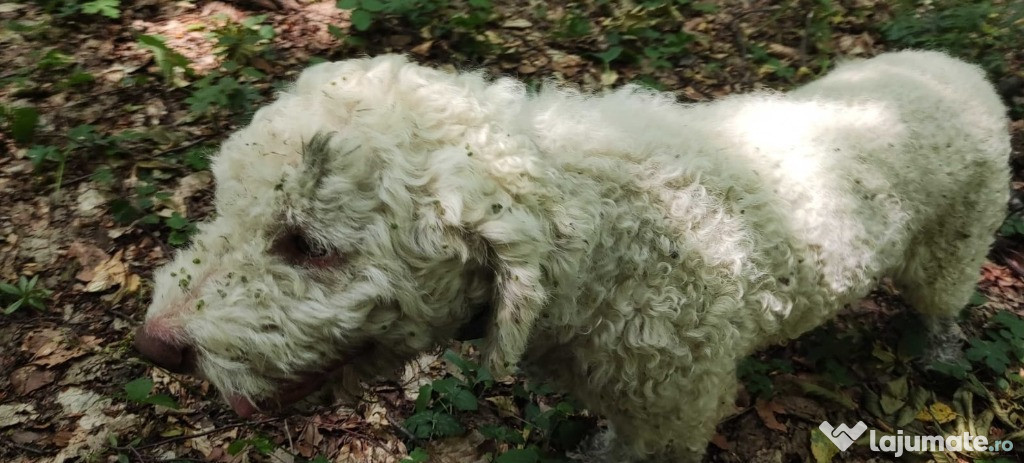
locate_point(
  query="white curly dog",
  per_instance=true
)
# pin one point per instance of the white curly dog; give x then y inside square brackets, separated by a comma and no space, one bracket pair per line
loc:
[623,246]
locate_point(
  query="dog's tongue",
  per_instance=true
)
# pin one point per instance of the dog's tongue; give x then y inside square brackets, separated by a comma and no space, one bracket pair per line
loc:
[290,394]
[242,406]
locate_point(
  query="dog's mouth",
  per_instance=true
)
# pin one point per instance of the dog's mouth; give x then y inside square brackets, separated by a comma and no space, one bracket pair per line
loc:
[292,391]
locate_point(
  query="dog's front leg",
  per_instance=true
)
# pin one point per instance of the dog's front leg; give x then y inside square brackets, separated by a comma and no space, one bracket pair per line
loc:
[672,421]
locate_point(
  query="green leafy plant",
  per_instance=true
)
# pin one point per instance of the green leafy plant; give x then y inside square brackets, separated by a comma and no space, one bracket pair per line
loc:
[1013,225]
[366,12]
[1002,345]
[834,349]
[68,8]
[21,122]
[82,138]
[460,25]
[53,60]
[198,158]
[122,451]
[439,401]
[41,155]
[476,376]
[502,433]
[560,425]
[770,64]
[997,351]
[417,455]
[982,32]
[260,444]
[427,424]
[575,24]
[218,91]
[647,33]
[24,292]
[181,229]
[168,60]
[523,455]
[138,207]
[141,208]
[435,408]
[756,374]
[141,391]
[241,42]
[77,78]
[108,8]
[86,138]
[611,54]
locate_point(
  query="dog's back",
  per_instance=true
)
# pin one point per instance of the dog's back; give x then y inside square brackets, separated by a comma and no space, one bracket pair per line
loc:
[894,166]
[859,175]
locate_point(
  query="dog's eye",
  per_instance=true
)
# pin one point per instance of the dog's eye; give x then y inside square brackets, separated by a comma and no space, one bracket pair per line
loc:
[305,248]
[297,249]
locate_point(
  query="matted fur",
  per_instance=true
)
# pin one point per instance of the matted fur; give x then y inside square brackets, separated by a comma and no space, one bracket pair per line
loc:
[631,249]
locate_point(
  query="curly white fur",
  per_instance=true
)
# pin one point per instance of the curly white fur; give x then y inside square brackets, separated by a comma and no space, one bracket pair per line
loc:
[631,249]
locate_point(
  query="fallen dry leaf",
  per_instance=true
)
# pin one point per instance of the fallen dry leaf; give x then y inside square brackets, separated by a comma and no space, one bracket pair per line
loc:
[937,412]
[59,351]
[26,437]
[783,51]
[506,406]
[422,49]
[517,23]
[766,410]
[108,274]
[460,448]
[41,342]
[89,257]
[13,414]
[526,69]
[188,186]
[309,440]
[721,442]
[568,65]
[91,200]
[30,378]
[376,415]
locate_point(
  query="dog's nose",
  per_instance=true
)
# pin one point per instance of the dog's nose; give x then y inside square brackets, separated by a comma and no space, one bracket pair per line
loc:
[175,358]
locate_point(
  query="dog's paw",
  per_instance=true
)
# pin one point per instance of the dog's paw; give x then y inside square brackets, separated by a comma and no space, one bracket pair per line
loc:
[945,344]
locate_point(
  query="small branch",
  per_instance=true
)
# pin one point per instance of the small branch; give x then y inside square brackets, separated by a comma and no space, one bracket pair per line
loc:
[181,147]
[26,448]
[401,429]
[206,433]
[165,152]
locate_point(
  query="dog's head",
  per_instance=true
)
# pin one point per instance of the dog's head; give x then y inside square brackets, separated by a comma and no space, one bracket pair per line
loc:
[365,216]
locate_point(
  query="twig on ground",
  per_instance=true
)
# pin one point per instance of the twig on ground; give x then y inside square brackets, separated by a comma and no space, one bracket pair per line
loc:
[158,154]
[25,448]
[181,147]
[211,431]
[401,430]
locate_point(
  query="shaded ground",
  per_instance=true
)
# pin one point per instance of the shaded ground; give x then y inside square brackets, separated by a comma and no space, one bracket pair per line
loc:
[93,226]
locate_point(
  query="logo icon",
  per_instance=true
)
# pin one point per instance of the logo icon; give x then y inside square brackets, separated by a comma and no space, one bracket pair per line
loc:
[843,436]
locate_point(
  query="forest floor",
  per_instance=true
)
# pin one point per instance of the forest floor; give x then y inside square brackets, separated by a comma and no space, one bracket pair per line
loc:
[109,110]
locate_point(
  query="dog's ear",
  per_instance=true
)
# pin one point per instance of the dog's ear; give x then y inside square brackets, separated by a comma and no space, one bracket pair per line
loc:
[514,245]
[504,237]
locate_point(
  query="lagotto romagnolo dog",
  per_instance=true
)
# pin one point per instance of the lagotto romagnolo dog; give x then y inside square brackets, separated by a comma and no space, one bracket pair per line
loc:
[625,247]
